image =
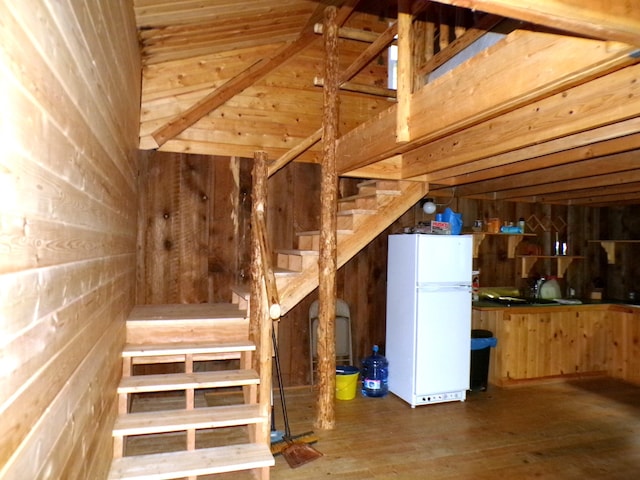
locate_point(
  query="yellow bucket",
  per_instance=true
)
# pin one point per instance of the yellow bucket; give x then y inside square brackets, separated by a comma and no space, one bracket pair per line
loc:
[346,382]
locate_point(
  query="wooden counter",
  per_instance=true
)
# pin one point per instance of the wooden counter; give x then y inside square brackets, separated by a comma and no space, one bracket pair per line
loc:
[561,341]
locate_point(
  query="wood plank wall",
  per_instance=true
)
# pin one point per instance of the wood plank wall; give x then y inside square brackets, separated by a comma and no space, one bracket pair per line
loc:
[294,206]
[69,96]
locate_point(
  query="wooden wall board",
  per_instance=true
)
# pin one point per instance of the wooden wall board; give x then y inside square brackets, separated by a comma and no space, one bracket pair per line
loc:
[69,272]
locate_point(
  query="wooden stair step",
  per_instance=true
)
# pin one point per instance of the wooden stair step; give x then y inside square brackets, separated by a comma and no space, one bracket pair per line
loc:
[204,461]
[159,349]
[183,381]
[358,211]
[144,423]
[385,187]
[183,311]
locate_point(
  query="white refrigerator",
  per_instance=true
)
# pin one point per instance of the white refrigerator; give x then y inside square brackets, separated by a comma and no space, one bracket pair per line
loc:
[428,338]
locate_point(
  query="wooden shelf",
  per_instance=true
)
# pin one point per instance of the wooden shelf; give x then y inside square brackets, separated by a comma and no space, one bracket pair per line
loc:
[609,246]
[563,262]
[513,240]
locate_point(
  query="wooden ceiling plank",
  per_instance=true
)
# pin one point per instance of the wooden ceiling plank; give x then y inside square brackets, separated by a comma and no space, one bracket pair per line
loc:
[551,65]
[628,190]
[618,20]
[229,90]
[590,143]
[606,180]
[566,168]
[578,109]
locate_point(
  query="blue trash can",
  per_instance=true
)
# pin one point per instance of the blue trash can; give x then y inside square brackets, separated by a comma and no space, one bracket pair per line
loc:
[481,343]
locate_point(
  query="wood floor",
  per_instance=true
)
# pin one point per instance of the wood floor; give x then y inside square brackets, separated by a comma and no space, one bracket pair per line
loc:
[571,430]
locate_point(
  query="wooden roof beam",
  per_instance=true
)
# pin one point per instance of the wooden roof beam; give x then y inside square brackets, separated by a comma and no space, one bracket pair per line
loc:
[546,64]
[618,21]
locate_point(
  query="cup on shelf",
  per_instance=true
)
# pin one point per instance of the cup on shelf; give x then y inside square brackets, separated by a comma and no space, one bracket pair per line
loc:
[493,225]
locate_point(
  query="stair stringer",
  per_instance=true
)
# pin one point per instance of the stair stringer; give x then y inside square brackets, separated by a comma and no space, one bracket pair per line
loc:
[292,288]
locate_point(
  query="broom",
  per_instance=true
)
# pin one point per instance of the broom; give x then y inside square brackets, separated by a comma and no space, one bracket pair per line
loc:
[295,450]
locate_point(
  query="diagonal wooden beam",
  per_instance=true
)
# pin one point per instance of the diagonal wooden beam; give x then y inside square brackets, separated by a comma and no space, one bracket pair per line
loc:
[230,89]
[619,21]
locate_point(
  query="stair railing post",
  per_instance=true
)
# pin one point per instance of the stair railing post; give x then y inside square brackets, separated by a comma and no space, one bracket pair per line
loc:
[327,262]
[260,323]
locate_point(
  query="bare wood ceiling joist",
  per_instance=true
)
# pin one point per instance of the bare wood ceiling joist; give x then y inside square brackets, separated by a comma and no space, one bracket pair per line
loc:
[480,94]
[617,21]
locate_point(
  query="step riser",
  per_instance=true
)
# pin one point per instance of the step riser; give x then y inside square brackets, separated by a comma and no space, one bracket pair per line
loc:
[163,331]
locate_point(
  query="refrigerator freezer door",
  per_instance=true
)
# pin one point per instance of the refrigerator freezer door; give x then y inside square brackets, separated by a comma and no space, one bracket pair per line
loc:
[443,344]
[444,258]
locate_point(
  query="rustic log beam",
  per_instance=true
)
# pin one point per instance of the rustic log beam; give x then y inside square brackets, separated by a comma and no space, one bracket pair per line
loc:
[350,33]
[618,21]
[360,88]
[260,324]
[551,66]
[327,262]
[229,89]
[273,301]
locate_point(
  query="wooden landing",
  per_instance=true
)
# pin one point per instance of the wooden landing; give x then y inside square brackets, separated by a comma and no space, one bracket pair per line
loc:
[180,311]
[203,461]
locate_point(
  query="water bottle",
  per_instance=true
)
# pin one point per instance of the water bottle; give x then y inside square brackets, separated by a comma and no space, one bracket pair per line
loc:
[375,375]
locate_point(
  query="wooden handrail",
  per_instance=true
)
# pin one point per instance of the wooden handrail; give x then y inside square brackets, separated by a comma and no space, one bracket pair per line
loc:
[295,152]
[259,223]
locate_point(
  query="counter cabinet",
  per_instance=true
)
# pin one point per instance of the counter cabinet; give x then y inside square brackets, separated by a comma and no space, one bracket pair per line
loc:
[565,341]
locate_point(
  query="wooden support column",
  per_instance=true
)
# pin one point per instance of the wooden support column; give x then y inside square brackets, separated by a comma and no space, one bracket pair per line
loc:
[260,323]
[325,417]
[405,71]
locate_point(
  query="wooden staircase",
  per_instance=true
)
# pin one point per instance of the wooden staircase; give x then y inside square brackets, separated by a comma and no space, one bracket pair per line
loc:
[203,334]
[212,333]
[361,218]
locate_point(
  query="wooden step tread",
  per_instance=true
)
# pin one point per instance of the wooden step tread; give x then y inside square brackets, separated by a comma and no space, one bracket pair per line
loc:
[184,311]
[343,231]
[299,252]
[204,461]
[177,420]
[358,211]
[283,272]
[144,350]
[182,381]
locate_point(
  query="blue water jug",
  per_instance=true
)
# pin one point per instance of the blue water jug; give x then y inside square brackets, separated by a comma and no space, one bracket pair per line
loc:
[375,375]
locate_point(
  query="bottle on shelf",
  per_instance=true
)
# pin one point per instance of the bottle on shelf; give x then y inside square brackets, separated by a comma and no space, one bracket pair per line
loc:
[375,375]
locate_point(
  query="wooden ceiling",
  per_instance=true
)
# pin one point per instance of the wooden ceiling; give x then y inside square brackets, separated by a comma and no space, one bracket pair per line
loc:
[548,114]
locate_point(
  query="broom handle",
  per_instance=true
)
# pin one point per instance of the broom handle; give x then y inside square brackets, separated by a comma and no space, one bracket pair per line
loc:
[287,431]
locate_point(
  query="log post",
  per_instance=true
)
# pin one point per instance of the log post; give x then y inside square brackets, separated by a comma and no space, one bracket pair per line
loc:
[327,262]
[260,323]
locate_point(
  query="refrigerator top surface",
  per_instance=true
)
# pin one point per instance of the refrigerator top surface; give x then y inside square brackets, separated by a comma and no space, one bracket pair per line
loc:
[436,258]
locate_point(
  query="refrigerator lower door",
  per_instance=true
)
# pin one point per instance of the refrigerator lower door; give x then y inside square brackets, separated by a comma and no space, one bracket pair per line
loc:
[443,349]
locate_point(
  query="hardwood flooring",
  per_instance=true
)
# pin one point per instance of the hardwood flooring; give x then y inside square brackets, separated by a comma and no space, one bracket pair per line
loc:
[566,430]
